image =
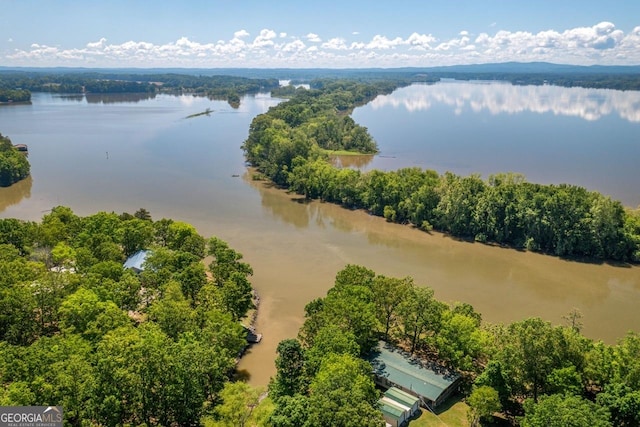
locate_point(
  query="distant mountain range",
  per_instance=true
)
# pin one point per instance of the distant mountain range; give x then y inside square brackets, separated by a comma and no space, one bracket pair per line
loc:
[539,67]
[286,73]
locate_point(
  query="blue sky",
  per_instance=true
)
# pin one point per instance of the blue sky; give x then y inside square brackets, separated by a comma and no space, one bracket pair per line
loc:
[306,34]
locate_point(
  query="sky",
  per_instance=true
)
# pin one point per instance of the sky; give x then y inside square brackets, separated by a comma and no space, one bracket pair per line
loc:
[316,34]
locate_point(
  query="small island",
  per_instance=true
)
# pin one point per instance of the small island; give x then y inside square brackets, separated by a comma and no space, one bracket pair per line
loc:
[14,165]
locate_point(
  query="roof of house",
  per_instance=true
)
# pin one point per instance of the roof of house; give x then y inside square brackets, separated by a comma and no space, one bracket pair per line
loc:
[385,399]
[389,409]
[136,260]
[425,379]
[401,397]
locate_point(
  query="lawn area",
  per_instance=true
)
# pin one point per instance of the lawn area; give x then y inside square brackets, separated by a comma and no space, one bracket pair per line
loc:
[452,413]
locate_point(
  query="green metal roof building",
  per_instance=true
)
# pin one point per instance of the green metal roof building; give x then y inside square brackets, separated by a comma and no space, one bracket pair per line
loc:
[398,406]
[408,400]
[429,382]
[394,415]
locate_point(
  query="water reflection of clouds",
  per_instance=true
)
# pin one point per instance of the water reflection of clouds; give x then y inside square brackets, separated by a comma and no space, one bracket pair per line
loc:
[187,100]
[500,98]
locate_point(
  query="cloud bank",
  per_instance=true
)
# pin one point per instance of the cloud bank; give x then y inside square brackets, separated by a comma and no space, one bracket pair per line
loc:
[601,44]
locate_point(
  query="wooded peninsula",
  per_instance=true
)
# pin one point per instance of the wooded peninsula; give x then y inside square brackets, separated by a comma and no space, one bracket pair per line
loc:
[289,144]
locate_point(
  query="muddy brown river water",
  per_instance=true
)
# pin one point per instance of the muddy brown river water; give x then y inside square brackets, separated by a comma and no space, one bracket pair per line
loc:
[119,154]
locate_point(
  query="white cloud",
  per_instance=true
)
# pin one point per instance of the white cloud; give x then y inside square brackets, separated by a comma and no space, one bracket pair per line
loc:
[264,39]
[382,42]
[240,34]
[312,37]
[336,43]
[97,45]
[601,43]
[423,41]
[294,46]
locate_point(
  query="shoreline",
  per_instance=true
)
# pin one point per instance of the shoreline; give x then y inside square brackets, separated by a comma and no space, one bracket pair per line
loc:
[260,178]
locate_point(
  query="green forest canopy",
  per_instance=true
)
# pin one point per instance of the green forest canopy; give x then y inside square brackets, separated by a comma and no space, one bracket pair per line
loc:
[111,346]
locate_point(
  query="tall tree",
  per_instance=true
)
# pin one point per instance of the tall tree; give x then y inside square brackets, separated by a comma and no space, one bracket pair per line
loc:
[420,312]
[290,376]
[343,393]
[388,294]
[483,402]
[564,411]
[239,400]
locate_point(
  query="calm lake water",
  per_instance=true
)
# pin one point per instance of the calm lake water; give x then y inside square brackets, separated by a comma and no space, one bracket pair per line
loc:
[552,135]
[120,154]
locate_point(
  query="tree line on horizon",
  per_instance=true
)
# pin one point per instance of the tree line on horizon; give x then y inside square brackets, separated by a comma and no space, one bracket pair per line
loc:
[19,85]
[619,81]
[289,144]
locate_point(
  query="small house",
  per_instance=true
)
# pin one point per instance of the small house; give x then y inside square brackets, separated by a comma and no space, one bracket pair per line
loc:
[394,415]
[398,406]
[136,261]
[408,400]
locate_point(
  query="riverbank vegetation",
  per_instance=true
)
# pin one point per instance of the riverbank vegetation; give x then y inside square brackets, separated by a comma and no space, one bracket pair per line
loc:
[228,88]
[530,370]
[288,143]
[14,165]
[112,346]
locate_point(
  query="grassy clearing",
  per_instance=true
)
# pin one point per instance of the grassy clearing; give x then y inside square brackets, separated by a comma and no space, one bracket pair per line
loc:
[453,413]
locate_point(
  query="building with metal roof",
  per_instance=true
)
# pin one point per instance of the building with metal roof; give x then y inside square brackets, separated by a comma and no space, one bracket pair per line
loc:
[136,261]
[429,382]
[404,398]
[394,415]
[398,406]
